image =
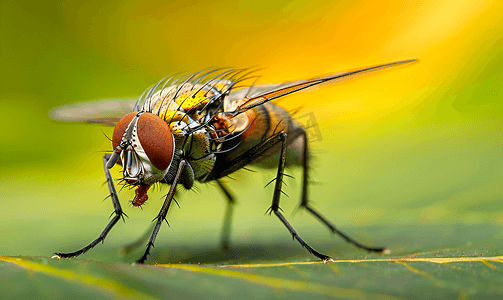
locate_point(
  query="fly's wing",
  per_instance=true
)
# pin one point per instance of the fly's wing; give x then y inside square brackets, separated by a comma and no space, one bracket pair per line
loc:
[257,95]
[108,111]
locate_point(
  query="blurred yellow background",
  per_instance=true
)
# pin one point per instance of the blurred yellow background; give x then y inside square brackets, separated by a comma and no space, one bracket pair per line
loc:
[421,144]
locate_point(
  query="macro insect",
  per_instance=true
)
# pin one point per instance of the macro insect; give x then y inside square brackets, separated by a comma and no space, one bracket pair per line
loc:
[202,127]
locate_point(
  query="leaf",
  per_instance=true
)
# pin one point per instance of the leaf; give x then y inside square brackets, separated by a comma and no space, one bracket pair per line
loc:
[435,275]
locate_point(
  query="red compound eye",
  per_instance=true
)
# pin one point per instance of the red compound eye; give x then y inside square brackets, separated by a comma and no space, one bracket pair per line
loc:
[154,136]
[120,129]
[156,139]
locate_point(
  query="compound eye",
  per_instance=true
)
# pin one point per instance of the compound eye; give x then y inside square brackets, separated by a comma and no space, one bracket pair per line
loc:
[156,139]
[120,129]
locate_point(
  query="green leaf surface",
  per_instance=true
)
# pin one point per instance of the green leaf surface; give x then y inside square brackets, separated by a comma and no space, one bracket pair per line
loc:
[434,275]
[410,159]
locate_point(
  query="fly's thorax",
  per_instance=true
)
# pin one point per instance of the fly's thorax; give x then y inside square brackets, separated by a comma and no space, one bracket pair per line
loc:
[146,147]
[188,99]
[184,114]
[196,144]
[198,148]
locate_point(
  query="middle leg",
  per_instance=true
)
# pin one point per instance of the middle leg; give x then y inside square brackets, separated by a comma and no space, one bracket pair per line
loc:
[226,167]
[162,214]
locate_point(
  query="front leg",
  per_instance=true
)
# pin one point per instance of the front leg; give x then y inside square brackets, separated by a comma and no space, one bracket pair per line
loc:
[117,211]
[162,214]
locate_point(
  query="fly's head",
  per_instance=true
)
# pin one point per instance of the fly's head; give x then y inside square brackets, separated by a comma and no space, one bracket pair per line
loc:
[144,145]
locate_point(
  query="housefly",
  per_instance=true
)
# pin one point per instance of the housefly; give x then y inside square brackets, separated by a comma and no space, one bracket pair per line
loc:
[203,127]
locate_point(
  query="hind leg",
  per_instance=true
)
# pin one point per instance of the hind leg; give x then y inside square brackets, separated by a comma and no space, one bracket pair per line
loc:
[305,202]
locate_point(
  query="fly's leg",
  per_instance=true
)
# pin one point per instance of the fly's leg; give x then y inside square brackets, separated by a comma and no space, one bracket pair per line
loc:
[226,228]
[304,204]
[162,214]
[277,193]
[225,168]
[118,215]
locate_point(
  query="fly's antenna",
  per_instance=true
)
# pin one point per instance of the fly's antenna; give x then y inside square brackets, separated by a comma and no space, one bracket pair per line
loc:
[114,157]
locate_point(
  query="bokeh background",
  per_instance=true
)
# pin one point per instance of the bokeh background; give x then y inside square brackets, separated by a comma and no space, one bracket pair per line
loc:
[410,158]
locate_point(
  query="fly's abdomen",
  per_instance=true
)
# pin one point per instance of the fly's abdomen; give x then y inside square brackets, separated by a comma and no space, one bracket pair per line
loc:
[263,122]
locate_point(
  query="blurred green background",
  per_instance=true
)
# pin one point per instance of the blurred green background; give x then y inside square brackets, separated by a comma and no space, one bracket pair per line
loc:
[410,158]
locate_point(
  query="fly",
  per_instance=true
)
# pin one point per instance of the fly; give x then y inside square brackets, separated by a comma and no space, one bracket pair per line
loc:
[202,127]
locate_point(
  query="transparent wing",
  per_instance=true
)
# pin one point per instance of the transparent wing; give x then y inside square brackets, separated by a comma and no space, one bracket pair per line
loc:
[110,111]
[106,111]
[259,94]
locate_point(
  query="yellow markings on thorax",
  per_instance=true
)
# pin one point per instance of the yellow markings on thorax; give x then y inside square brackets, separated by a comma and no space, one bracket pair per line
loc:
[192,99]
